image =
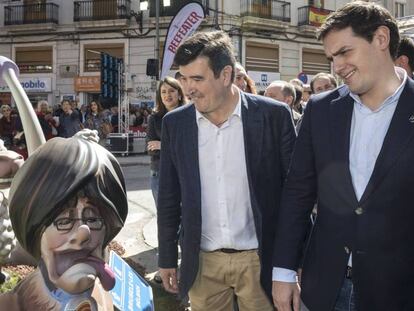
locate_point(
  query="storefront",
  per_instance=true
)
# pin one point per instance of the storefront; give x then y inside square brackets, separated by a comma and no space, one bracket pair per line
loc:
[35,88]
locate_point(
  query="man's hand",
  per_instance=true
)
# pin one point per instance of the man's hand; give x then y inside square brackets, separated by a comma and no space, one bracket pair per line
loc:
[285,295]
[154,145]
[169,279]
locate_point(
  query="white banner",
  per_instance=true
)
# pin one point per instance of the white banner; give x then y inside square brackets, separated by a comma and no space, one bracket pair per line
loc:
[181,27]
[42,85]
[262,79]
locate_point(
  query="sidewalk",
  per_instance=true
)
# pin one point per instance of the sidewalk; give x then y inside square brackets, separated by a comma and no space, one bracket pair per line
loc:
[133,159]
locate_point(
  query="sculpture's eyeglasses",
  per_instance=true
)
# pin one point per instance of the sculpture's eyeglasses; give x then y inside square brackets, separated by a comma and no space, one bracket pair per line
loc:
[67,223]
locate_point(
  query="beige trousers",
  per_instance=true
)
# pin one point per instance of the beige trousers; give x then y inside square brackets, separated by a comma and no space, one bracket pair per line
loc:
[222,276]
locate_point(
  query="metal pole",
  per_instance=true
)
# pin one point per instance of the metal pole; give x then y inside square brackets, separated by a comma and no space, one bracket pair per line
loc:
[157,36]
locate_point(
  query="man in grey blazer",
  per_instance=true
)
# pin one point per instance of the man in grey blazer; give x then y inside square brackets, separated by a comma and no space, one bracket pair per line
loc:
[223,163]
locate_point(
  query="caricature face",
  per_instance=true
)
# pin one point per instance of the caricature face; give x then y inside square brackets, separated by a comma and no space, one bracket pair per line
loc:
[72,248]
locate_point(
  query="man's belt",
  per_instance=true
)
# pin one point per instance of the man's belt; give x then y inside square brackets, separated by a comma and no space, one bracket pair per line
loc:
[231,250]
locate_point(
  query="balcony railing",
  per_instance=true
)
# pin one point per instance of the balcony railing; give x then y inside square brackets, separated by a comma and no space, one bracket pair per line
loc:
[310,15]
[270,9]
[92,10]
[31,14]
[175,6]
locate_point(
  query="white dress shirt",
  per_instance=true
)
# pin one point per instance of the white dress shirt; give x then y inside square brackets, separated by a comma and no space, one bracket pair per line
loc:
[368,130]
[226,213]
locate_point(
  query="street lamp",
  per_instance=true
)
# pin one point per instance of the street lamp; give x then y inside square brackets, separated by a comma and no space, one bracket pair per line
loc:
[143,6]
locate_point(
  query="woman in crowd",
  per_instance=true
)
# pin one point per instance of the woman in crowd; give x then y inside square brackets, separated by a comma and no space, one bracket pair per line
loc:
[95,120]
[170,95]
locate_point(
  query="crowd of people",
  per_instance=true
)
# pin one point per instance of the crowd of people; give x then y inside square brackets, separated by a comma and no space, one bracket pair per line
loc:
[298,199]
[66,119]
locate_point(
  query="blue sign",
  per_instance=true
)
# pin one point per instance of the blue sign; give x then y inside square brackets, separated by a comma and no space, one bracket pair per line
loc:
[264,77]
[303,77]
[131,291]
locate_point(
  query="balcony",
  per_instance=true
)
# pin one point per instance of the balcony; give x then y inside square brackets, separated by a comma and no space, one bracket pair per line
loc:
[269,9]
[265,14]
[98,13]
[31,17]
[312,16]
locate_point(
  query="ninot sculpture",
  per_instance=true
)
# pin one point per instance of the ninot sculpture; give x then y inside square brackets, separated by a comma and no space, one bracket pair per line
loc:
[10,162]
[66,203]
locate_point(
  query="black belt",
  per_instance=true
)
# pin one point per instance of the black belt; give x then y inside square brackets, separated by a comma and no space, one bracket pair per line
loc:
[348,273]
[231,250]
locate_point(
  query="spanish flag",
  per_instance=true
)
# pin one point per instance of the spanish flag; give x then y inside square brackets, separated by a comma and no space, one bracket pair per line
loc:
[317,16]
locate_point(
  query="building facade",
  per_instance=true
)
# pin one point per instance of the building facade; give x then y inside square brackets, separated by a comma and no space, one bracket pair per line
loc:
[57,44]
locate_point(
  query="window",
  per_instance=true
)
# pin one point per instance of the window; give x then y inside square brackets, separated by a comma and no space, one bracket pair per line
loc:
[92,55]
[104,9]
[399,9]
[34,59]
[262,57]
[314,61]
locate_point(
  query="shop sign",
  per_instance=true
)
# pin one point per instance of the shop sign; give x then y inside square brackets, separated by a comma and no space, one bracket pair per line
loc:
[88,84]
[262,79]
[31,85]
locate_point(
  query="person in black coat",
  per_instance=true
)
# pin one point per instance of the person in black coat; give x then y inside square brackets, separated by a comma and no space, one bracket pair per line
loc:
[169,96]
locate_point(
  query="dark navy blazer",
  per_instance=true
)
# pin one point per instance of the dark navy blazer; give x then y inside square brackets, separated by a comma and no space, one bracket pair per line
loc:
[378,229]
[269,137]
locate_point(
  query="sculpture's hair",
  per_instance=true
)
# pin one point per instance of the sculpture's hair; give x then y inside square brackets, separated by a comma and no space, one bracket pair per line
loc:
[53,175]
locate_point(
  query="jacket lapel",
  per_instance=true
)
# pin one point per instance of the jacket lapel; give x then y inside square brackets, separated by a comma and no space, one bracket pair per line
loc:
[399,134]
[341,110]
[253,134]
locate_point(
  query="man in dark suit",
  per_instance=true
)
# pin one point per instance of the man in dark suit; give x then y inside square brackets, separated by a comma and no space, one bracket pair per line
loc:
[223,162]
[354,154]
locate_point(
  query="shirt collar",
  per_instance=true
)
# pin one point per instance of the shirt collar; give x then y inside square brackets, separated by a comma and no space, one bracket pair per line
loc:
[393,98]
[236,112]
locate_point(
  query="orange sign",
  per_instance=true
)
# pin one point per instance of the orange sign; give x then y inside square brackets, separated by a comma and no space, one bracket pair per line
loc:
[317,16]
[88,84]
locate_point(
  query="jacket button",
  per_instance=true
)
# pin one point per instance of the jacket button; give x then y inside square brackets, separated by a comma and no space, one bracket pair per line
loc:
[346,248]
[359,211]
